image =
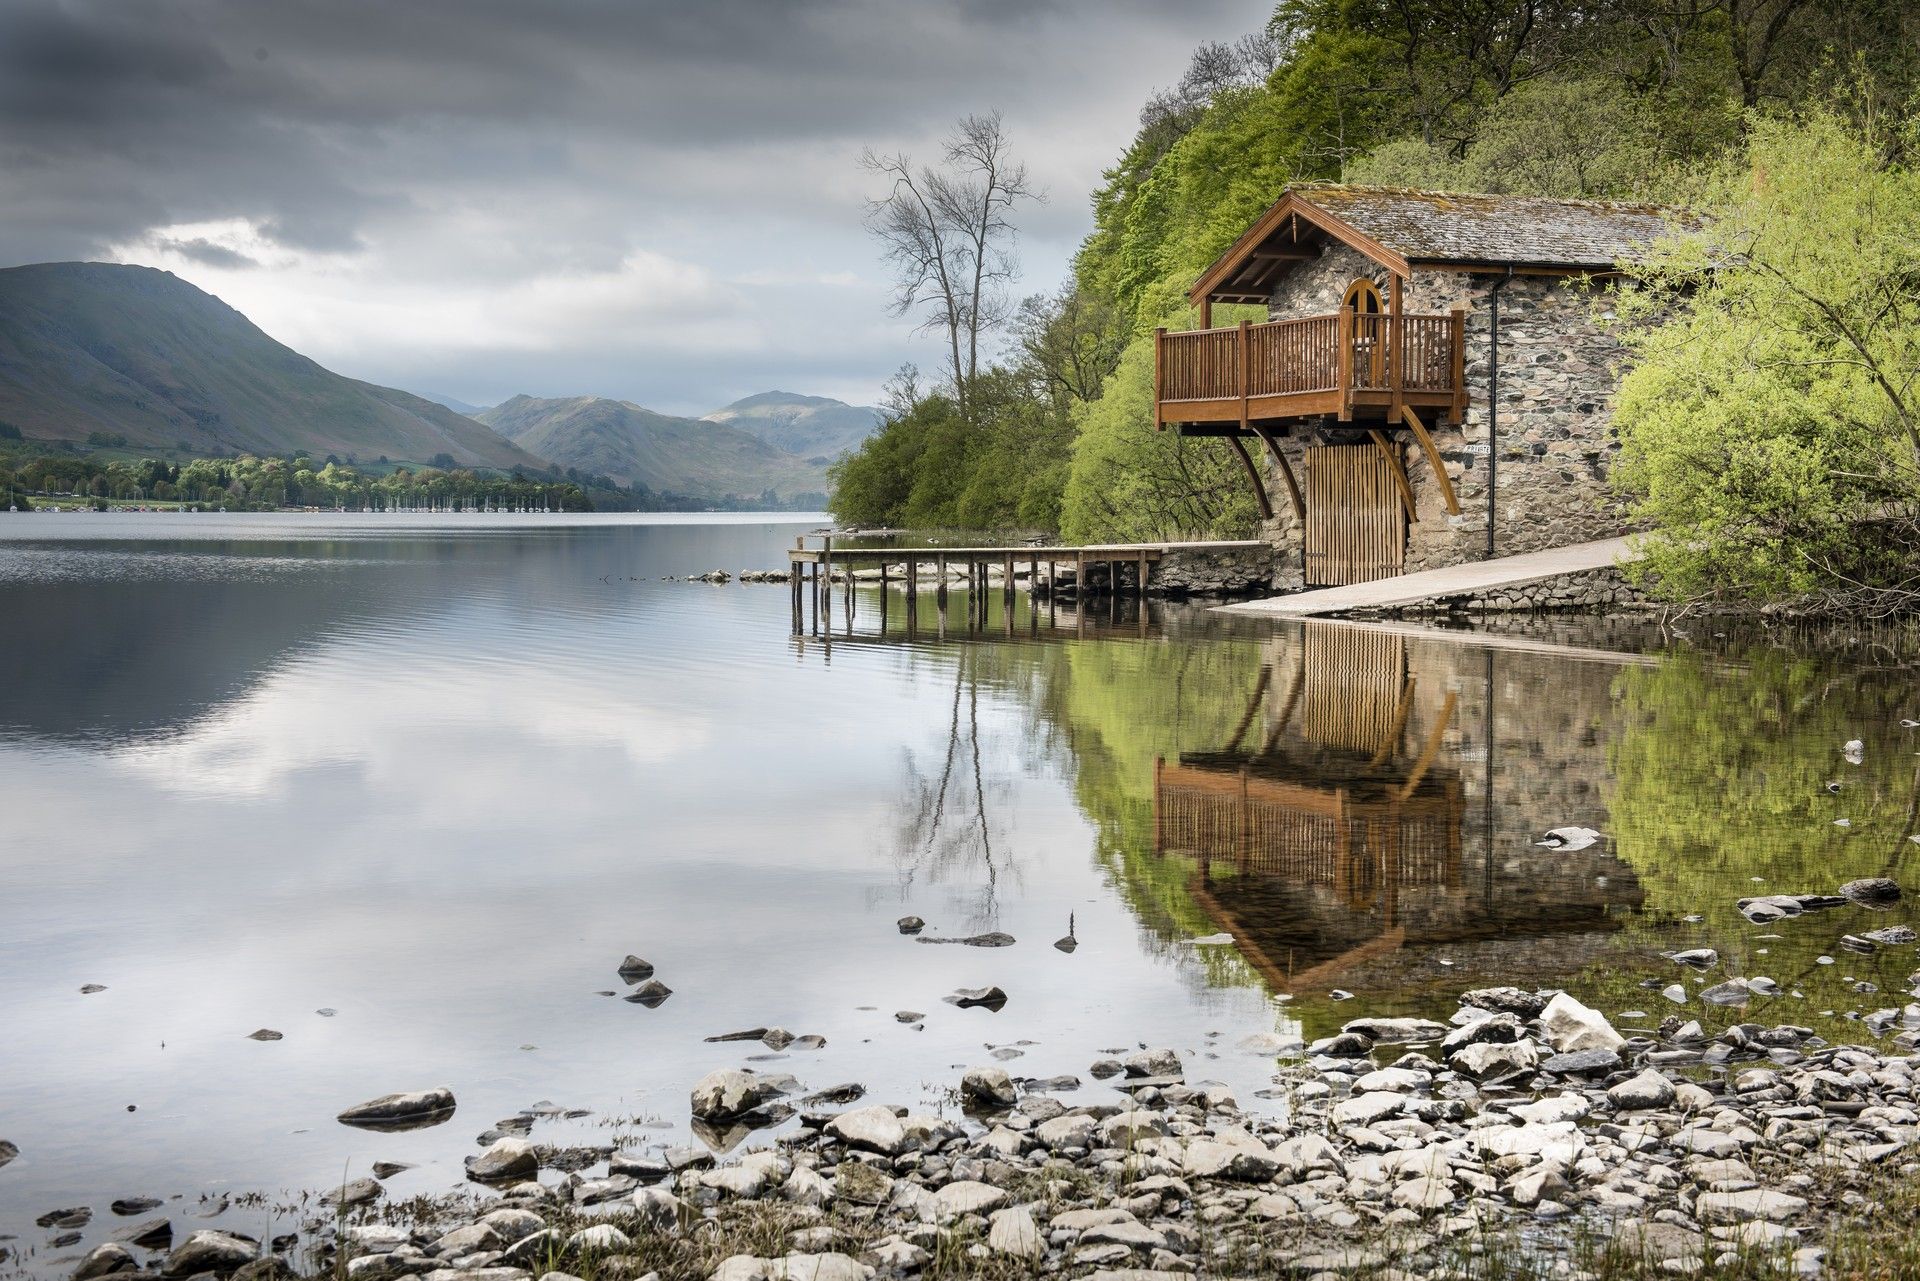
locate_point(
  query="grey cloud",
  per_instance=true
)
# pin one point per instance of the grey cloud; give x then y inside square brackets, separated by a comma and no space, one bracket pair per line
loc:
[496,139]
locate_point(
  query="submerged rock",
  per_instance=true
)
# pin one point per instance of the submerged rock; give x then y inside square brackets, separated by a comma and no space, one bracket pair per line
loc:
[991,998]
[1872,891]
[652,994]
[264,1034]
[993,939]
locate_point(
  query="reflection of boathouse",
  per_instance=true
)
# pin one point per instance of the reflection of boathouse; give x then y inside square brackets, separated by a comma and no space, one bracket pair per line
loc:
[1344,827]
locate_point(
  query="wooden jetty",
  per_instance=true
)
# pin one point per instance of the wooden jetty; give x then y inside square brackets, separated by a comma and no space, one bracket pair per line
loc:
[1102,568]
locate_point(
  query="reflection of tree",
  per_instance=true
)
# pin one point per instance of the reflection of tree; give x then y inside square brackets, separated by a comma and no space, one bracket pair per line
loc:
[946,824]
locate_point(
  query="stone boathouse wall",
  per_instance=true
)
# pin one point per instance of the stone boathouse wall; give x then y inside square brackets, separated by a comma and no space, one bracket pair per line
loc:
[1558,370]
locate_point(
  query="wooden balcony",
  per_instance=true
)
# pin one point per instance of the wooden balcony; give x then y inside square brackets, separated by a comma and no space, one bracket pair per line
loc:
[1348,366]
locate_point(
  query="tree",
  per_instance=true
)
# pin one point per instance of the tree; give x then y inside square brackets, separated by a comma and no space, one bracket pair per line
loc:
[949,238]
[1770,430]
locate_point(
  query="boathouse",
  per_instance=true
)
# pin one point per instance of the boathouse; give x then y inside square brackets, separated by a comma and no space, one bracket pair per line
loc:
[1433,382]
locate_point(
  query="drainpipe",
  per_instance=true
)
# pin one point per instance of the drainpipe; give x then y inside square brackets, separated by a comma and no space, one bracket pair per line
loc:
[1493,398]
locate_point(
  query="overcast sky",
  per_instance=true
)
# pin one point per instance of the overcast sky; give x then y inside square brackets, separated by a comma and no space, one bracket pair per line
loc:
[655,201]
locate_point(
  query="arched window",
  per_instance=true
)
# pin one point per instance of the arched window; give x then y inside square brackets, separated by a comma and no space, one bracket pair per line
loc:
[1369,331]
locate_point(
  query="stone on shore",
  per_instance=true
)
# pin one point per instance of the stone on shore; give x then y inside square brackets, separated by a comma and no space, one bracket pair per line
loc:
[871,1129]
[401,1111]
[1013,1231]
[1645,1092]
[209,1250]
[508,1158]
[1573,1027]
[104,1259]
[729,1094]
[987,1087]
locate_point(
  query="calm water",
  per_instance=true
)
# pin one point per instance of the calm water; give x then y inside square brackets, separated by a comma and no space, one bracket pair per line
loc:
[439,777]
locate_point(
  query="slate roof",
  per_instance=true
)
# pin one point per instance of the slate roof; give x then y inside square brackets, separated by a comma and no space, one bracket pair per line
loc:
[1439,226]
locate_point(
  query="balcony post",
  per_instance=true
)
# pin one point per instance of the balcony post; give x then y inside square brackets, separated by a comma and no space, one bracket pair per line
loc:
[1159,378]
[1459,328]
[1241,354]
[1345,365]
[1394,341]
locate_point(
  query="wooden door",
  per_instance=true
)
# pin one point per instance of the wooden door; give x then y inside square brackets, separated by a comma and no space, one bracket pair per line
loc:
[1356,528]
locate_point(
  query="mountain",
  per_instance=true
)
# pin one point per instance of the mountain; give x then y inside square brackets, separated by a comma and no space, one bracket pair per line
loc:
[812,427]
[636,446]
[134,353]
[454,403]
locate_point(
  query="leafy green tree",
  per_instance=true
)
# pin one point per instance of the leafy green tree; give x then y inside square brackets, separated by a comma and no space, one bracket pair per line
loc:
[1770,430]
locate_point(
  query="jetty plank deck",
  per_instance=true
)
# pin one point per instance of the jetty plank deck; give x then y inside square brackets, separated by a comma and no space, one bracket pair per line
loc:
[1434,584]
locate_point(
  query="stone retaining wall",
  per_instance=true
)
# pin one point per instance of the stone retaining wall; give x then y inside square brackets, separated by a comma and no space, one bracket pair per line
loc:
[1233,570]
[1596,590]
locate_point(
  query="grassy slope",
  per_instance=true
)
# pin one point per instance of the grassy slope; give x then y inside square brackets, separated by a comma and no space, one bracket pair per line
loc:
[637,446]
[102,347]
[809,426]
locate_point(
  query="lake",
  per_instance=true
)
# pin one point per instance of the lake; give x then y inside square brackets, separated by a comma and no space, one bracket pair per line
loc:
[407,790]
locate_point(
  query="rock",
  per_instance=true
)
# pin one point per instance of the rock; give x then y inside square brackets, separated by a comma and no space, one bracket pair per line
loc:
[1582,1063]
[508,1158]
[209,1250]
[1066,944]
[8,1152]
[1699,958]
[1572,1027]
[1872,891]
[468,1239]
[657,1209]
[1495,1059]
[409,1111]
[652,994]
[601,1238]
[908,1016]
[1753,1203]
[105,1259]
[910,924]
[385,1169]
[1658,1242]
[1154,1063]
[635,970]
[76,1217]
[1892,936]
[1642,1093]
[1347,1045]
[1365,1109]
[153,1234]
[1492,1028]
[89,989]
[729,1094]
[991,998]
[264,1034]
[967,1197]
[872,1129]
[1507,1000]
[1425,1192]
[126,1207]
[987,1088]
[357,1192]
[862,1184]
[994,939]
[1013,1231]
[1732,992]
[1397,1031]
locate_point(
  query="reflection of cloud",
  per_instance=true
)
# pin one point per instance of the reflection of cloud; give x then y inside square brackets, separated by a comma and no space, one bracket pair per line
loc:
[297,723]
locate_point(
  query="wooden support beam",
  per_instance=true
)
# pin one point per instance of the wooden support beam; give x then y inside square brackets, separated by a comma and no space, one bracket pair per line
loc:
[1286,471]
[1392,456]
[1253,472]
[1396,335]
[1433,457]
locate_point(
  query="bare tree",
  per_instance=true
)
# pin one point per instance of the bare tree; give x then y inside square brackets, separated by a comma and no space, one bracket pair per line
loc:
[948,233]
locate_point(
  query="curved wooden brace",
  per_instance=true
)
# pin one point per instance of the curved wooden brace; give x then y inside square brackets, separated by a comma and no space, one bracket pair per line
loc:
[1286,471]
[1253,472]
[1392,455]
[1433,457]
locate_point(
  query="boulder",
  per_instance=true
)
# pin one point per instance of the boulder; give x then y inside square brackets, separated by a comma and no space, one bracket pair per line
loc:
[1154,1063]
[1397,1031]
[1642,1093]
[872,1129]
[1013,1231]
[1872,891]
[1572,1027]
[401,1111]
[987,1088]
[965,1196]
[209,1251]
[104,1260]
[510,1158]
[729,1094]
[1495,1059]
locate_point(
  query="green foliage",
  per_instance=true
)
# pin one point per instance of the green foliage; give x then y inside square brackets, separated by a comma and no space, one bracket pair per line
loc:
[1773,419]
[1130,482]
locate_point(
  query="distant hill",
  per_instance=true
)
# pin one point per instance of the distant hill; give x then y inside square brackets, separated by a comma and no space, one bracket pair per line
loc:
[637,446]
[808,426]
[140,354]
[457,405]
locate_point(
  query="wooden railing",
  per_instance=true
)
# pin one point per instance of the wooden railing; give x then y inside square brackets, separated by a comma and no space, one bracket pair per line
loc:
[1340,353]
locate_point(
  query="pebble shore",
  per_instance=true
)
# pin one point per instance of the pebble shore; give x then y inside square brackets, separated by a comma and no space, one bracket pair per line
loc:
[1399,1147]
